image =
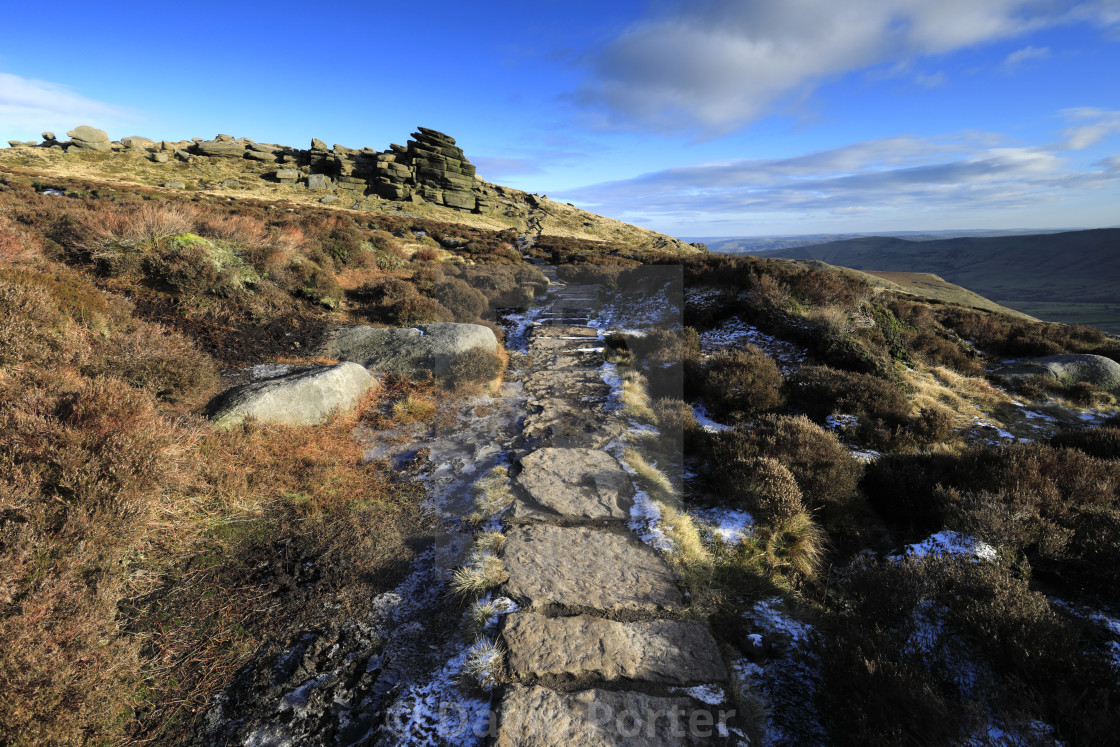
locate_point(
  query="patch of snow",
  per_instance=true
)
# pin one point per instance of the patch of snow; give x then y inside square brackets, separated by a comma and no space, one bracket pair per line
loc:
[608,372]
[932,641]
[589,350]
[710,694]
[500,606]
[840,423]
[951,543]
[730,526]
[998,734]
[645,521]
[438,712]
[706,423]
[734,332]
[1102,618]
[785,683]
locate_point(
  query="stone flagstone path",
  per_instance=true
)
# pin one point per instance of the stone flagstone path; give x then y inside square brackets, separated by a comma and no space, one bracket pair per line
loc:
[601,652]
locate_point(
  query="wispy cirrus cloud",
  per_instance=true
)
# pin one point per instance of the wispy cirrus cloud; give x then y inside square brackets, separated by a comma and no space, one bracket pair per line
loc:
[1093,126]
[714,66]
[30,105]
[922,175]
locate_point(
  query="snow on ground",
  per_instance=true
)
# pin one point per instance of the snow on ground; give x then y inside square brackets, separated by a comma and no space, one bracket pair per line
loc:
[702,297]
[992,434]
[641,310]
[996,733]
[787,681]
[497,607]
[706,423]
[1104,619]
[734,332]
[842,425]
[518,325]
[727,525]
[950,543]
[645,519]
[438,712]
[932,641]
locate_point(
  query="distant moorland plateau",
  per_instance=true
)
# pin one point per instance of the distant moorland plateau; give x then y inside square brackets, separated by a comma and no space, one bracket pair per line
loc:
[1067,277]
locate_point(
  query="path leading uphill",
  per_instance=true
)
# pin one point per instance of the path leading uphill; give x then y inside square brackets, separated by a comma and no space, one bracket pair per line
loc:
[601,651]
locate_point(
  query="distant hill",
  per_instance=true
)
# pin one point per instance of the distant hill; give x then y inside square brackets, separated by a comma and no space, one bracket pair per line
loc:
[1070,277]
[756,244]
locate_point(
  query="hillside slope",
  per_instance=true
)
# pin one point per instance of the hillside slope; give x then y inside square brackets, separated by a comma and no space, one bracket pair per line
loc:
[430,178]
[1068,277]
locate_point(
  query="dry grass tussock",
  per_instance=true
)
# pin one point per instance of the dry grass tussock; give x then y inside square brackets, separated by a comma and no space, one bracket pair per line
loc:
[492,495]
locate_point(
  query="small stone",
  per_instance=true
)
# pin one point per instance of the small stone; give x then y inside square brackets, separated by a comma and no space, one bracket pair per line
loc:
[317,144]
[174,185]
[225,138]
[182,155]
[160,157]
[318,181]
[230,184]
[48,136]
[328,199]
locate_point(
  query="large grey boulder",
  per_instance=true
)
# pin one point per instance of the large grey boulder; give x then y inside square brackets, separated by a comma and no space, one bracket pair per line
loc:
[89,138]
[1102,373]
[137,141]
[305,398]
[410,351]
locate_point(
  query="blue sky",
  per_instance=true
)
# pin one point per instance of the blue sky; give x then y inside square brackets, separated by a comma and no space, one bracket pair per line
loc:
[698,118]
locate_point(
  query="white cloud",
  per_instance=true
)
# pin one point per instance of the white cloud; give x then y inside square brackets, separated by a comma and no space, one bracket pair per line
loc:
[716,65]
[1026,54]
[964,172]
[29,106]
[1099,124]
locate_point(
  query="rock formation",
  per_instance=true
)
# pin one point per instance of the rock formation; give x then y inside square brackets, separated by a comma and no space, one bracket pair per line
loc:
[410,351]
[88,138]
[430,169]
[305,398]
[1067,369]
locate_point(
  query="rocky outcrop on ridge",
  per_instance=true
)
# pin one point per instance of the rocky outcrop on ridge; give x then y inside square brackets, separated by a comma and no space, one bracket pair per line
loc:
[88,138]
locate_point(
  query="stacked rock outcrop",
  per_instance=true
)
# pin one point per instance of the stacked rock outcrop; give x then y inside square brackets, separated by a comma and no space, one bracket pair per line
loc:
[430,168]
[88,138]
